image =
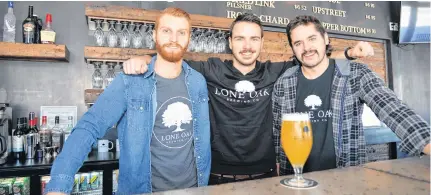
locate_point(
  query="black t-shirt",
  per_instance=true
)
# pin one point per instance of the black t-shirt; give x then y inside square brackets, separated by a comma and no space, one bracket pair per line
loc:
[241,115]
[314,97]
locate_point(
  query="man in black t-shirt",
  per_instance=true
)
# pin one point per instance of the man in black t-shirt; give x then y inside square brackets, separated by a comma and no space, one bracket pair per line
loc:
[333,93]
[240,102]
[313,96]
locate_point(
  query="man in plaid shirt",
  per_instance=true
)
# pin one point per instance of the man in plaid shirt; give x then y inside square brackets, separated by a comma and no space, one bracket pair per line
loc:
[332,92]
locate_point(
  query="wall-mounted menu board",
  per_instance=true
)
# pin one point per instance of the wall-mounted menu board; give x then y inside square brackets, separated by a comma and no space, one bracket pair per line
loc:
[357,18]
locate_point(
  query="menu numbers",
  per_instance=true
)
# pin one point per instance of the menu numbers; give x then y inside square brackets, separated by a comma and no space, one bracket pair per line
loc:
[337,2]
[301,7]
[369,5]
[369,17]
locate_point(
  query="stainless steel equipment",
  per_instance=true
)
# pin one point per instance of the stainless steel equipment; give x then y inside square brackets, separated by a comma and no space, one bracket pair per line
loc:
[5,132]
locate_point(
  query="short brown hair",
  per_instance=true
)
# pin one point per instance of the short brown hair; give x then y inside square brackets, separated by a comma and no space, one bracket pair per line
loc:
[303,21]
[173,11]
[246,17]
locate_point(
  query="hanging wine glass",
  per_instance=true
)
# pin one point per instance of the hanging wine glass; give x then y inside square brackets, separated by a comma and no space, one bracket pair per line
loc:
[125,37]
[117,68]
[137,37]
[211,42]
[99,37]
[97,79]
[221,44]
[110,75]
[121,66]
[149,40]
[105,26]
[103,71]
[201,41]
[118,26]
[192,43]
[217,40]
[132,27]
[112,37]
[144,35]
[198,39]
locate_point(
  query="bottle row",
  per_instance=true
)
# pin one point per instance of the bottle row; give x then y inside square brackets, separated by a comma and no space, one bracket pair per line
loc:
[31,142]
[34,31]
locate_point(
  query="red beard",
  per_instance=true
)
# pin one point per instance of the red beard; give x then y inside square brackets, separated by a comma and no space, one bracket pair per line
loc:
[171,56]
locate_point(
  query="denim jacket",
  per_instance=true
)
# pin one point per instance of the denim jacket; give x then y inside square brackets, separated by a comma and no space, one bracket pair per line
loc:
[130,102]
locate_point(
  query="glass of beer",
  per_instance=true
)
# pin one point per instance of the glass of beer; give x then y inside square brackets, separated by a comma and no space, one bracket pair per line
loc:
[297,140]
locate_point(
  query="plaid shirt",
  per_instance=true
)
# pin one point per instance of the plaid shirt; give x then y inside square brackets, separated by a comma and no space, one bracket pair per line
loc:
[353,85]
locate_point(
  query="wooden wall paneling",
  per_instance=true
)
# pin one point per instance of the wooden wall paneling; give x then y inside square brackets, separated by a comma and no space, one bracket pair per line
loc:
[275,47]
[90,95]
[276,43]
[377,63]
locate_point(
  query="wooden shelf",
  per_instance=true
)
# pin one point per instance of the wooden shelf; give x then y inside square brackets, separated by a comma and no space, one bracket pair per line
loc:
[123,54]
[122,13]
[91,95]
[34,52]
[106,54]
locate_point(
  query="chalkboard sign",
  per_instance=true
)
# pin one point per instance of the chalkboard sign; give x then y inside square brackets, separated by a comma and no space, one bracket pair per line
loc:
[357,18]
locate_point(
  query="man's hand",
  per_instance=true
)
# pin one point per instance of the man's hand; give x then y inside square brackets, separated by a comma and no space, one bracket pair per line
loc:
[362,49]
[427,149]
[136,65]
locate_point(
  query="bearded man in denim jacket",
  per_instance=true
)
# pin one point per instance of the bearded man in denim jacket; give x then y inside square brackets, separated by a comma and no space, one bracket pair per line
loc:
[162,117]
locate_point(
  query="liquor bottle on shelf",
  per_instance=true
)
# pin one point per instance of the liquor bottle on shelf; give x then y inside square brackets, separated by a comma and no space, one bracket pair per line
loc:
[57,135]
[25,125]
[32,127]
[9,24]
[47,33]
[44,134]
[69,128]
[18,140]
[29,27]
[39,25]
[31,137]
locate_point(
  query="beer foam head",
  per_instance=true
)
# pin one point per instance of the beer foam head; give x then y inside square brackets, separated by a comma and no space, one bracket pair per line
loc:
[296,117]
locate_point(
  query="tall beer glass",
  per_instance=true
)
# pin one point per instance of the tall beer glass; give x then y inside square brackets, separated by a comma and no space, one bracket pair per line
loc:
[297,140]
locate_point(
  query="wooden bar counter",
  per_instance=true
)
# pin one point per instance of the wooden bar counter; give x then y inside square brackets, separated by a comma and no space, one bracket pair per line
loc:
[401,176]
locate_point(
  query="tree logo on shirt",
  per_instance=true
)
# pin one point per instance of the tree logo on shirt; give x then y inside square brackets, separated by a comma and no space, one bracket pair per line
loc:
[176,114]
[173,126]
[244,92]
[245,86]
[312,101]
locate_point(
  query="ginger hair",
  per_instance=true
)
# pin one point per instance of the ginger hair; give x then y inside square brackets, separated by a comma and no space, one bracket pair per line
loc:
[173,11]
